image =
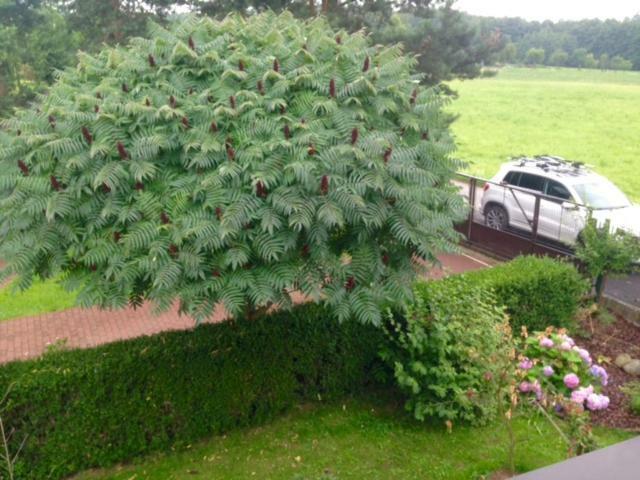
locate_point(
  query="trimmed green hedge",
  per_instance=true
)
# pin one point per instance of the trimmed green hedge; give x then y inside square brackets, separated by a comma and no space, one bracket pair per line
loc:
[92,408]
[537,292]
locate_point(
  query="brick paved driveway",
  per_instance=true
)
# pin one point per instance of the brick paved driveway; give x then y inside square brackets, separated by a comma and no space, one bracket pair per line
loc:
[77,328]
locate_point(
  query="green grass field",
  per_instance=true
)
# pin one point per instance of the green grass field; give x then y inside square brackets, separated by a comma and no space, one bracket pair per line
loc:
[41,297]
[358,440]
[586,115]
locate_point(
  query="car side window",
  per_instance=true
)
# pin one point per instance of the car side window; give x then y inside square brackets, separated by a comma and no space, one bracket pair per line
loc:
[556,189]
[511,178]
[532,182]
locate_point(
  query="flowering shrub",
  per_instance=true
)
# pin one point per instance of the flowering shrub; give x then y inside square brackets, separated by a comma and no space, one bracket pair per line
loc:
[561,376]
[557,370]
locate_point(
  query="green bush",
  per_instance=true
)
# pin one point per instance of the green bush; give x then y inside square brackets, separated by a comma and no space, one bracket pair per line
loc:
[93,408]
[537,292]
[449,350]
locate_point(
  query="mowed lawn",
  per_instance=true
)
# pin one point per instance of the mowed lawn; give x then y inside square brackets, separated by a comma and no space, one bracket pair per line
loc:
[42,297]
[591,116]
[355,440]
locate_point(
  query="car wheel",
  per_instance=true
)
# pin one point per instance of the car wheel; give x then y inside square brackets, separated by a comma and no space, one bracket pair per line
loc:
[496,217]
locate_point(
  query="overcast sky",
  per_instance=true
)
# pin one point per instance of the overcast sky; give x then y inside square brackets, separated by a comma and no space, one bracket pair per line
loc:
[552,9]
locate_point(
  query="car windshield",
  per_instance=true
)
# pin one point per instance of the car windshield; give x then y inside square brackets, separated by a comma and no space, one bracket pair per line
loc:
[601,194]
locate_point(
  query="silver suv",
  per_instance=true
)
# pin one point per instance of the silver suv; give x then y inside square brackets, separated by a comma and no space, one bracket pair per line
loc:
[568,192]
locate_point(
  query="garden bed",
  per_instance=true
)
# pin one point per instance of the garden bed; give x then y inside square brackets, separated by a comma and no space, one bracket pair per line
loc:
[607,341]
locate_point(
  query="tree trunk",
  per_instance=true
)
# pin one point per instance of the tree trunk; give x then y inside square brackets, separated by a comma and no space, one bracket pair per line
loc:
[601,281]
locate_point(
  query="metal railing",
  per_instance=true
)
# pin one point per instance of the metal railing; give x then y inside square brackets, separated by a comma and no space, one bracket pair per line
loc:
[547,225]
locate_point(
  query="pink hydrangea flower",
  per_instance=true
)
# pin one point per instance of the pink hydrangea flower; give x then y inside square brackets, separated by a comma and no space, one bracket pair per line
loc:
[571,380]
[580,395]
[525,387]
[546,342]
[547,371]
[565,346]
[597,402]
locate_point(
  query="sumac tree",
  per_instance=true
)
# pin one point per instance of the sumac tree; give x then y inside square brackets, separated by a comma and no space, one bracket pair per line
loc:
[231,161]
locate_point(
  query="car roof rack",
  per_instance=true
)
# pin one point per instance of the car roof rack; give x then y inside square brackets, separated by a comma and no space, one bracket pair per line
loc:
[552,163]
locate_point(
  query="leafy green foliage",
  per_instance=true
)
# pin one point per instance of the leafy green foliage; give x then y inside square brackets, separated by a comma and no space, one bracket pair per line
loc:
[87,408]
[632,389]
[449,350]
[232,162]
[537,292]
[604,252]
[33,42]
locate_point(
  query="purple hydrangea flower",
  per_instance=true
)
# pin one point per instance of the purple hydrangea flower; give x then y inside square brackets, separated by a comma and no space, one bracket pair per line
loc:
[547,371]
[571,380]
[599,372]
[580,395]
[526,364]
[546,342]
[597,402]
[568,339]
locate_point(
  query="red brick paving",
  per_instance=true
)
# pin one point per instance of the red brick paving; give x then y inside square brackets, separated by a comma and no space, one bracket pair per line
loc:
[77,328]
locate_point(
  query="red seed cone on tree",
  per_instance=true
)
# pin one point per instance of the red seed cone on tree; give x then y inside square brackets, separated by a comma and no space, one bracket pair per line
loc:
[87,135]
[260,87]
[387,155]
[261,190]
[125,88]
[324,185]
[164,218]
[23,168]
[232,101]
[172,102]
[354,136]
[365,66]
[287,132]
[192,44]
[55,184]
[332,88]
[152,61]
[350,284]
[218,213]
[213,127]
[122,152]
[276,65]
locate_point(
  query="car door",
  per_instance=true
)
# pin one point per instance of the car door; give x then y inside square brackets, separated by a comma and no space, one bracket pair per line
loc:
[522,201]
[554,218]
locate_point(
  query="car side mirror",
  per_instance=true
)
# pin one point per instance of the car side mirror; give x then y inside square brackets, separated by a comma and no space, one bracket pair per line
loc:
[570,206]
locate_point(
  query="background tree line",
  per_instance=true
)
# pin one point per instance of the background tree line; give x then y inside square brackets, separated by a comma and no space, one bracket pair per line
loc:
[606,44]
[38,37]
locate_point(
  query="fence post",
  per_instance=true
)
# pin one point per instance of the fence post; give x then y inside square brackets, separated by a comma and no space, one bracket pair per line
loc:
[472,203]
[534,228]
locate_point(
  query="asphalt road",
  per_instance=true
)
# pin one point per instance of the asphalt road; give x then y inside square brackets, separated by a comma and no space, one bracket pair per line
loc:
[626,289]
